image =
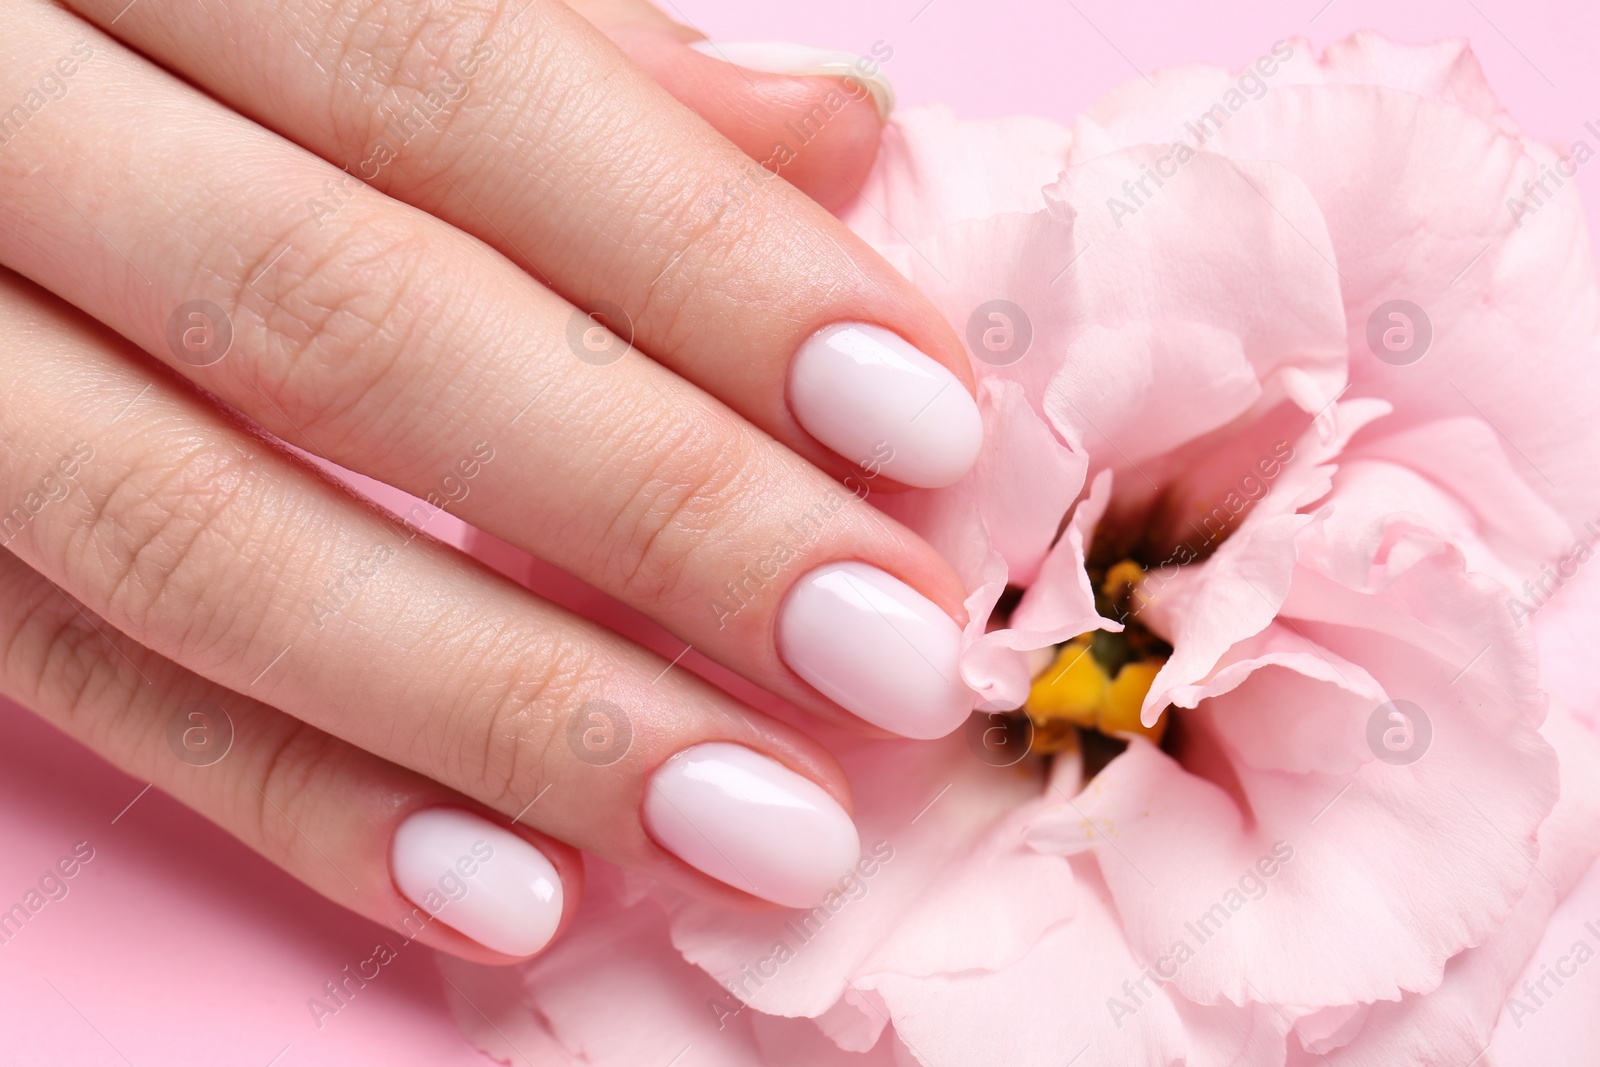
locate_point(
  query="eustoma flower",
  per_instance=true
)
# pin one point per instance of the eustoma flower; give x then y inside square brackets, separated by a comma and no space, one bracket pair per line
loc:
[1277,562]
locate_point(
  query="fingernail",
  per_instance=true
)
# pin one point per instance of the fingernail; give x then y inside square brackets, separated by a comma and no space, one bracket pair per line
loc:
[477,878]
[866,393]
[749,821]
[876,646]
[802,60]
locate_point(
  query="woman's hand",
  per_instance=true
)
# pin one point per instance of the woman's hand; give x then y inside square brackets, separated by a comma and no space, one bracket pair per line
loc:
[373,228]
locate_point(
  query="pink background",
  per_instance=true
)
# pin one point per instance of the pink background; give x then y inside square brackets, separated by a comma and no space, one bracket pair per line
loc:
[178,946]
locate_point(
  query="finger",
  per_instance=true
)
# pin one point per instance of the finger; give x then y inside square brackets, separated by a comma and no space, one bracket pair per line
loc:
[228,557]
[523,125]
[387,843]
[342,333]
[762,97]
[812,115]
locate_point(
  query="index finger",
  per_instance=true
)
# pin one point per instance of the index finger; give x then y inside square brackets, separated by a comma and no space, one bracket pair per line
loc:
[524,125]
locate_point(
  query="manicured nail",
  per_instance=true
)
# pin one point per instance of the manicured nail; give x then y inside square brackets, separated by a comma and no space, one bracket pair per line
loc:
[478,878]
[877,647]
[749,821]
[866,393]
[802,60]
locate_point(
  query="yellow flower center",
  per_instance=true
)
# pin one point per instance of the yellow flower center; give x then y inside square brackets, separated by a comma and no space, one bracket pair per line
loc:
[1098,680]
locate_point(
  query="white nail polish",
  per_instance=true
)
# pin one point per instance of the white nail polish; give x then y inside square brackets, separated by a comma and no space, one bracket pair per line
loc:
[477,878]
[876,646]
[802,60]
[866,393]
[747,820]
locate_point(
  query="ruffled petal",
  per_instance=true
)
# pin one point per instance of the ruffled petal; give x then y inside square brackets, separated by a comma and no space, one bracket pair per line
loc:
[1467,459]
[615,962]
[944,831]
[1019,489]
[1188,104]
[1281,703]
[1058,606]
[1456,1023]
[1206,609]
[934,170]
[1563,603]
[1104,1006]
[1248,290]
[1491,276]
[1444,70]
[1381,875]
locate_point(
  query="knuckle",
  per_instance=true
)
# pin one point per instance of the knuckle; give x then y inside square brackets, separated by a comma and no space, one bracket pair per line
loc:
[504,739]
[76,674]
[284,784]
[693,247]
[47,654]
[717,230]
[413,63]
[694,489]
[328,322]
[161,539]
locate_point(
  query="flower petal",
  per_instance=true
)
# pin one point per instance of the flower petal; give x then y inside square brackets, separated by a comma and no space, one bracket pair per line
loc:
[942,828]
[1391,871]
[1392,170]
[934,169]
[1453,1023]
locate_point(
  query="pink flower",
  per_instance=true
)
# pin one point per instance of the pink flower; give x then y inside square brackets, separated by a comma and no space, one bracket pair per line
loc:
[1314,344]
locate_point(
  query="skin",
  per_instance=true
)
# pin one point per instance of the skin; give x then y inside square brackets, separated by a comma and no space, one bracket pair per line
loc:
[396,326]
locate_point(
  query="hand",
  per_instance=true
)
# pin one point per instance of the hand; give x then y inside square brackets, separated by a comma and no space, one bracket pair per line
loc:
[410,734]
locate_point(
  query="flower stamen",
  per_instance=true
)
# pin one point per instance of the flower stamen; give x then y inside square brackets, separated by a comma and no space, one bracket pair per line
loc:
[1098,680]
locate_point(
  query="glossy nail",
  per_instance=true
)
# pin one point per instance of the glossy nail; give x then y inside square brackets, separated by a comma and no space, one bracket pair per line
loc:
[747,820]
[477,878]
[876,646]
[802,60]
[866,393]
